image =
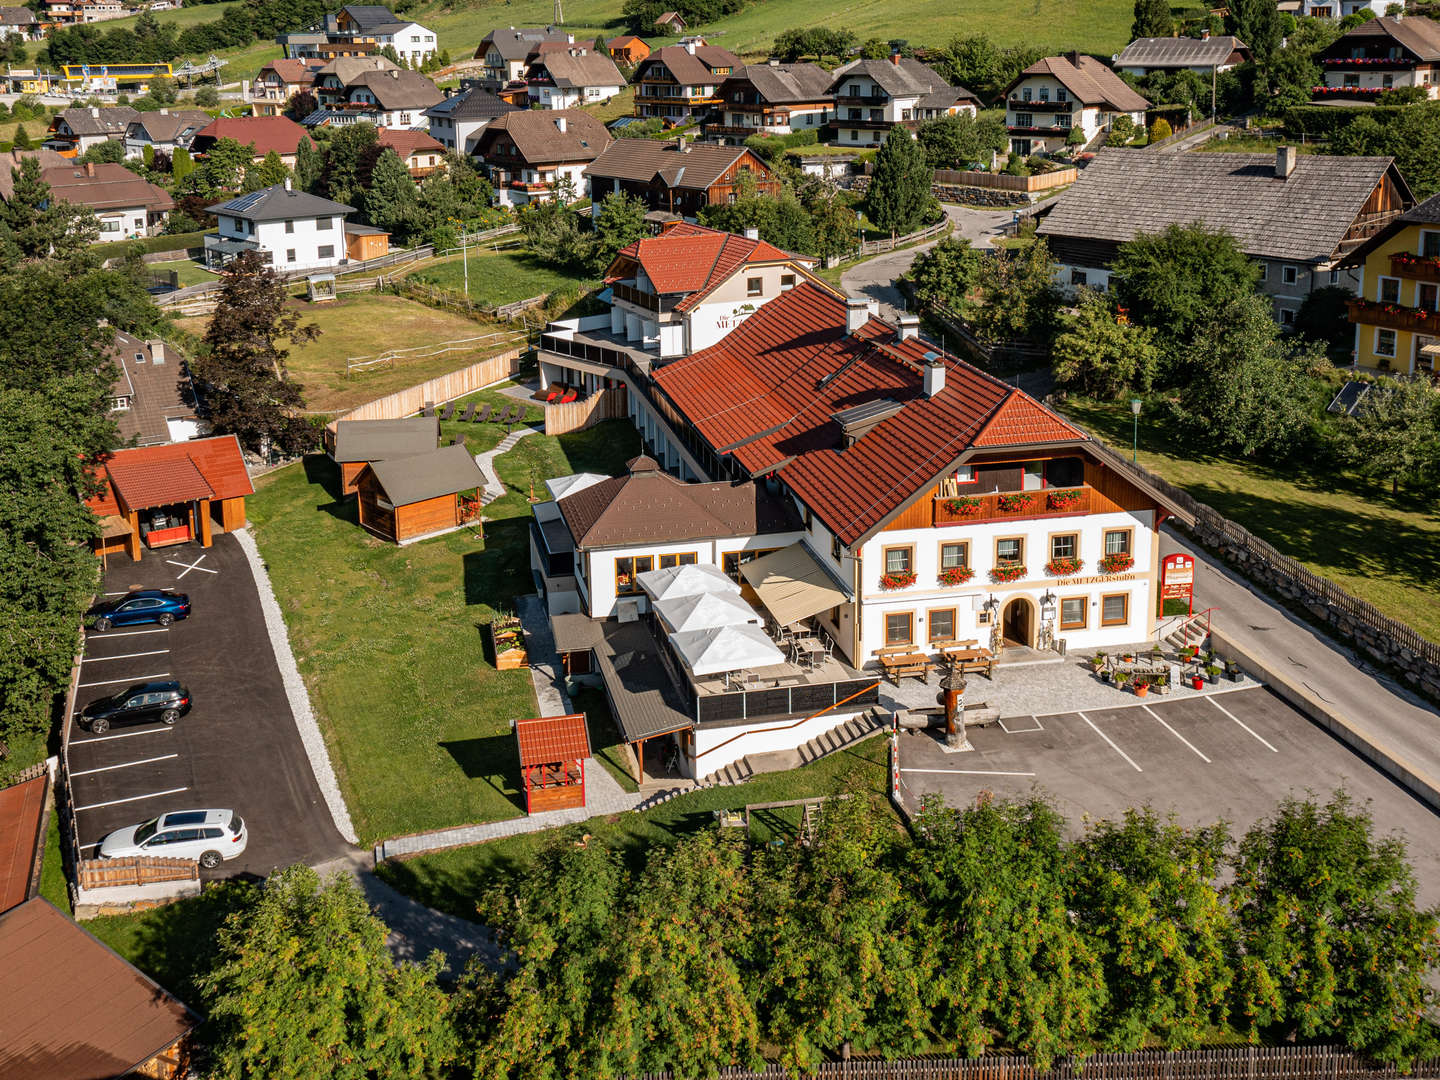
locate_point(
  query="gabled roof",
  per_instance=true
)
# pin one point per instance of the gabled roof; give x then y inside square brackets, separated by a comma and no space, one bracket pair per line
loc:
[1417,35]
[16,16]
[1304,217]
[651,506]
[348,68]
[472,104]
[146,476]
[687,67]
[405,142]
[278,133]
[546,740]
[1426,213]
[908,78]
[517,43]
[694,260]
[159,392]
[98,121]
[397,88]
[1089,81]
[536,134]
[368,16]
[577,67]
[417,477]
[767,393]
[106,186]
[22,839]
[376,440]
[1180,52]
[782,84]
[644,161]
[614,43]
[166,126]
[294,71]
[12,159]
[277,203]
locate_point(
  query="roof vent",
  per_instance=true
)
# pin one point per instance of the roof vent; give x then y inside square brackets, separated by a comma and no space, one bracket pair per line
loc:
[752,233]
[858,420]
[934,374]
[857,313]
[907,327]
[560,124]
[288,186]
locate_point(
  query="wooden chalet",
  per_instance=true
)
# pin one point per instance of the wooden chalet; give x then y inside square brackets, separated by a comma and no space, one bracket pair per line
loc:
[421,495]
[678,177]
[553,750]
[358,443]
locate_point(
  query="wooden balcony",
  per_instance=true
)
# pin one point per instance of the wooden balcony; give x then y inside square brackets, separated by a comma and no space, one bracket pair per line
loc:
[1393,316]
[1011,505]
[1039,106]
[648,300]
[1417,267]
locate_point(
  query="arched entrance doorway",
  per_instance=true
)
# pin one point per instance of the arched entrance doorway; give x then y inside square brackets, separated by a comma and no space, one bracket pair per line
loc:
[1017,624]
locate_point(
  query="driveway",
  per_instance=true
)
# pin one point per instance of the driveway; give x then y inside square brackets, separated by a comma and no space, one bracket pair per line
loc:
[875,277]
[238,748]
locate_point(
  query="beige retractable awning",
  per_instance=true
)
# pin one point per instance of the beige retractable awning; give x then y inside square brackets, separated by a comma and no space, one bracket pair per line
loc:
[1432,349]
[112,525]
[792,584]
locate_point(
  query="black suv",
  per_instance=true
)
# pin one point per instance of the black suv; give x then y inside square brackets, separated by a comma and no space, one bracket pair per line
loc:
[165,701]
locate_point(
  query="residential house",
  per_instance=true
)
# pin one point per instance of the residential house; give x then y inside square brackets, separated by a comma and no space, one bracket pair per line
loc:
[681,82]
[687,288]
[332,82]
[773,99]
[872,96]
[679,177]
[529,153]
[75,12]
[19,22]
[264,133]
[74,131]
[1058,94]
[379,26]
[1338,9]
[166,130]
[396,98]
[421,154]
[626,49]
[1205,55]
[126,206]
[570,77]
[1397,312]
[1381,54]
[507,51]
[1297,215]
[670,22]
[292,230]
[153,399]
[460,118]
[270,91]
[11,160]
[1011,529]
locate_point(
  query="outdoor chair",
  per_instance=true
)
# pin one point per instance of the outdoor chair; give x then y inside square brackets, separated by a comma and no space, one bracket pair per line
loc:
[448,411]
[482,416]
[429,410]
[501,416]
[470,413]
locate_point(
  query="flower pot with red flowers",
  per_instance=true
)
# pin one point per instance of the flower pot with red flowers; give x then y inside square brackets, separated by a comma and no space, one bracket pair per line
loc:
[900,579]
[1008,572]
[956,575]
[1062,499]
[1015,503]
[1117,563]
[1141,688]
[963,506]
[1063,567]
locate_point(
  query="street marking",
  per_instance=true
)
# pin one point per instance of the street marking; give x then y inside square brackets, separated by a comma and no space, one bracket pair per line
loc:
[1020,730]
[969,772]
[122,735]
[191,566]
[1109,740]
[128,633]
[125,765]
[1242,723]
[133,798]
[1177,735]
[125,656]
[132,679]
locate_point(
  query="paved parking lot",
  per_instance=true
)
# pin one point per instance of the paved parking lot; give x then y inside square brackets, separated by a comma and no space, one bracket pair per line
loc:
[1230,755]
[238,747]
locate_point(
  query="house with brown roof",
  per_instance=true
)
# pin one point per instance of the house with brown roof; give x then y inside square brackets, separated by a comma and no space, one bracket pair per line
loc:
[570,77]
[396,98]
[627,49]
[681,82]
[507,50]
[1381,54]
[872,96]
[278,81]
[461,117]
[679,177]
[421,154]
[153,398]
[773,99]
[528,154]
[165,130]
[670,22]
[263,133]
[1059,94]
[126,206]
[74,131]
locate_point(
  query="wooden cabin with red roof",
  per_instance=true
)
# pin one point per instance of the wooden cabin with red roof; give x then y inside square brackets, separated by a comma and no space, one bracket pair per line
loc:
[156,496]
[553,750]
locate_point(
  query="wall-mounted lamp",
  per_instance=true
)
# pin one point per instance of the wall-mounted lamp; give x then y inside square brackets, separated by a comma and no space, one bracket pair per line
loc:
[1047,606]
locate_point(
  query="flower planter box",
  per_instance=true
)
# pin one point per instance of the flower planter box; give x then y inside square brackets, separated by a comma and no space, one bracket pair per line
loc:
[958,575]
[1007,573]
[897,581]
[1115,564]
[1064,567]
[507,641]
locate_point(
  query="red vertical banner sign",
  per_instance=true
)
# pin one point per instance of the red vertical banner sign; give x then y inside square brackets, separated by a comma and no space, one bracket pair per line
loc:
[1177,579]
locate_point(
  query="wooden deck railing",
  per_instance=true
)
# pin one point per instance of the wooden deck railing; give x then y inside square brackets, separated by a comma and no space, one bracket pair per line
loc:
[1011,505]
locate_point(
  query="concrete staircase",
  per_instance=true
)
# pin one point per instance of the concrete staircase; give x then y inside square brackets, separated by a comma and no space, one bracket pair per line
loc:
[827,742]
[1194,630]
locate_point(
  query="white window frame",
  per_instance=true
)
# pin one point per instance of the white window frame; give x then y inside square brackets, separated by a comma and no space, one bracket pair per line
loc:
[1394,342]
[1380,281]
[1289,274]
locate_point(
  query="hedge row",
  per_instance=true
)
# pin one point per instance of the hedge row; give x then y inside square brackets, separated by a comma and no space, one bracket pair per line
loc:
[1326,121]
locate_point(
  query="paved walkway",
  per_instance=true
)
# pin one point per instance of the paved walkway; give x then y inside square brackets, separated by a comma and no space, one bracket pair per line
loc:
[494,488]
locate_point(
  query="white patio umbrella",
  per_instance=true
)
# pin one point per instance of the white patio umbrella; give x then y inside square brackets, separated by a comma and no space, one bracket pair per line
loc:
[705,611]
[690,580]
[725,648]
[560,486]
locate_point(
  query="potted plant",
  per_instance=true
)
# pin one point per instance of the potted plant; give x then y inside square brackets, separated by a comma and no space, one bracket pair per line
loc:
[1213,672]
[1121,678]
[1116,564]
[1061,499]
[1197,681]
[899,579]
[1141,688]
[1232,671]
[1015,503]
[1128,656]
[1162,682]
[1008,572]
[963,506]
[1156,652]
[1097,662]
[956,575]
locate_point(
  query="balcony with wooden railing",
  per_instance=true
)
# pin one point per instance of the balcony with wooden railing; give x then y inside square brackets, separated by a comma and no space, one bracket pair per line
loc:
[1417,267]
[648,300]
[1011,505]
[1393,316]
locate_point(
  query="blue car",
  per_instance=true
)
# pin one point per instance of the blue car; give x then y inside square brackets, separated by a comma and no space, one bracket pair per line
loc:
[147,606]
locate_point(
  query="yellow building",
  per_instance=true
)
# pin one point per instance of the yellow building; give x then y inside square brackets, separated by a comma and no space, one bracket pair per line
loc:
[1397,314]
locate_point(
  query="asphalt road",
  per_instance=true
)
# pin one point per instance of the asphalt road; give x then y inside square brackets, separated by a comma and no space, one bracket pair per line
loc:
[238,748]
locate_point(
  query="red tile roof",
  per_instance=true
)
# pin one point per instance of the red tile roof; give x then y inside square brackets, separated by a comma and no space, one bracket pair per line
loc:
[545,740]
[768,391]
[149,476]
[405,142]
[692,259]
[278,133]
[22,813]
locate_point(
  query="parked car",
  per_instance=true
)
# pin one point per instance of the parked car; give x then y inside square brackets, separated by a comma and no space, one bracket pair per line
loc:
[207,836]
[164,701]
[143,606]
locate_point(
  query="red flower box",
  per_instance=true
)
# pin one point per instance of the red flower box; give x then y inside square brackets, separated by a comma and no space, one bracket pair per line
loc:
[964,506]
[1116,564]
[1014,504]
[899,580]
[956,575]
[1008,572]
[1063,567]
[1062,499]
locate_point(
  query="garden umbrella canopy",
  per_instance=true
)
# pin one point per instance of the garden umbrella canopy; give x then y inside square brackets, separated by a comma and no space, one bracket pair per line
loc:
[690,580]
[705,611]
[560,486]
[725,648]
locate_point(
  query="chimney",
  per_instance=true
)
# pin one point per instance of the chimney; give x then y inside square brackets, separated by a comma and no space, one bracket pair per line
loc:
[157,350]
[1205,34]
[907,328]
[934,374]
[164,112]
[752,233]
[690,47]
[89,168]
[560,124]
[1284,162]
[857,313]
[94,112]
[895,58]
[682,144]
[288,185]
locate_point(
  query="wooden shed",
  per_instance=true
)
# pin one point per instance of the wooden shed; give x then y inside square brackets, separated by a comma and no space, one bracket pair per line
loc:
[163,495]
[409,498]
[553,750]
[360,442]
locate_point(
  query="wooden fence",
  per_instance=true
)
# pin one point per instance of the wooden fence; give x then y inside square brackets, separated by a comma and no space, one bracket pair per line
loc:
[192,293]
[1004,181]
[134,871]
[874,247]
[1220,1063]
[612,404]
[450,300]
[442,388]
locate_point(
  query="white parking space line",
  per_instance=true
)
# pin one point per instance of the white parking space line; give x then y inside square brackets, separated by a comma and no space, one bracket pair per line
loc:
[1020,730]
[124,765]
[1177,735]
[132,679]
[122,735]
[129,633]
[133,798]
[968,772]
[125,656]
[1244,725]
[1109,740]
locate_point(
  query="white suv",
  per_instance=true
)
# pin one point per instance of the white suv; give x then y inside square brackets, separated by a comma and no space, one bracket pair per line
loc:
[207,836]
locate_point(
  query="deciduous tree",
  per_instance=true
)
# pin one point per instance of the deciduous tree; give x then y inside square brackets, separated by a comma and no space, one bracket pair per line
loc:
[946,273]
[1177,278]
[1395,435]
[1015,296]
[621,221]
[1099,355]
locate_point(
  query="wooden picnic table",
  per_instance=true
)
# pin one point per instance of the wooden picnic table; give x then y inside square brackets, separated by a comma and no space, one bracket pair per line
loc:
[901,660]
[971,658]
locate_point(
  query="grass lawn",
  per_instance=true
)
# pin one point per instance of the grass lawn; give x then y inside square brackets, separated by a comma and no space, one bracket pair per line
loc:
[389,639]
[52,868]
[451,880]
[1382,548]
[1236,143]
[190,272]
[365,324]
[622,104]
[499,277]
[178,17]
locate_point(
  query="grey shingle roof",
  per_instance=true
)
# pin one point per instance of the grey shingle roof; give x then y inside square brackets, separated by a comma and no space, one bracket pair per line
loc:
[446,471]
[1302,218]
[518,42]
[1418,35]
[907,77]
[1172,52]
[472,104]
[579,67]
[377,440]
[16,16]
[1090,81]
[783,84]
[276,203]
[99,121]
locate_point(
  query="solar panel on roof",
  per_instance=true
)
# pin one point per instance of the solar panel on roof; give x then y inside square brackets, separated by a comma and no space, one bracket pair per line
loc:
[869,410]
[245,202]
[1349,398]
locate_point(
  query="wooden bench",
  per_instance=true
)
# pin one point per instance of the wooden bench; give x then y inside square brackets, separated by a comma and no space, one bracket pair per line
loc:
[971,659]
[901,660]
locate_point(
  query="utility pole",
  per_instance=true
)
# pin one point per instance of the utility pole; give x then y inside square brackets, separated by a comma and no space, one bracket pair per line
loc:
[1213,69]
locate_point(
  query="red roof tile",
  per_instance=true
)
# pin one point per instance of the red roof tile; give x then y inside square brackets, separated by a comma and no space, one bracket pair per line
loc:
[405,142]
[149,476]
[767,393]
[22,812]
[278,133]
[693,259]
[545,740]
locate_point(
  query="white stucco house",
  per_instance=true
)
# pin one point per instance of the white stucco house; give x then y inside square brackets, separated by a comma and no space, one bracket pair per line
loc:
[292,230]
[577,76]
[1059,94]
